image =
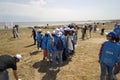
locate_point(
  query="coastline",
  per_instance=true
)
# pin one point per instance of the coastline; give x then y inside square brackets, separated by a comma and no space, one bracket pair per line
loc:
[43,24]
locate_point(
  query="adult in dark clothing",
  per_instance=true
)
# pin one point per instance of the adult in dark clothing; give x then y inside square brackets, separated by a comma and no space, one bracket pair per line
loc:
[90,29]
[6,62]
[95,27]
[15,33]
[84,29]
[17,27]
[103,29]
[34,35]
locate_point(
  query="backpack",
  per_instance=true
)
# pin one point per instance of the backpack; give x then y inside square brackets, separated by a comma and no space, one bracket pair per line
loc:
[59,44]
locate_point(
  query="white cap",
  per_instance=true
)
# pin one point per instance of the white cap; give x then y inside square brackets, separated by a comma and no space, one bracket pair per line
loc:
[73,29]
[57,31]
[106,33]
[60,33]
[18,56]
[53,32]
[39,30]
[48,32]
[65,26]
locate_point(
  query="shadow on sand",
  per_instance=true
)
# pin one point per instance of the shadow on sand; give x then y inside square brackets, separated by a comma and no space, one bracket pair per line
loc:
[35,53]
[43,67]
[29,45]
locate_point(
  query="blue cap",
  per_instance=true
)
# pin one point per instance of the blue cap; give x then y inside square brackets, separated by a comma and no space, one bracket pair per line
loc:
[112,34]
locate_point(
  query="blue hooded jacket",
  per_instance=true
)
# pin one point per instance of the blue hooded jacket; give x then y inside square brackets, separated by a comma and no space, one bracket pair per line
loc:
[117,31]
[39,37]
[44,42]
[63,37]
[54,39]
[119,52]
[49,43]
[109,54]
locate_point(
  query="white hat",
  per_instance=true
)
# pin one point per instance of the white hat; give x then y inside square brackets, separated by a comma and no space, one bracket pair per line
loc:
[73,29]
[18,56]
[60,33]
[39,30]
[65,26]
[57,31]
[48,32]
[53,32]
[106,33]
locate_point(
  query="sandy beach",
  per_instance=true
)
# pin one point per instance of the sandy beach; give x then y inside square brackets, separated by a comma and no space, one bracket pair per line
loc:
[82,66]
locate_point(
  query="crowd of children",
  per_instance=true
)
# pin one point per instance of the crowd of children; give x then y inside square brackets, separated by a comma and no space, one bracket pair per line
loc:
[57,45]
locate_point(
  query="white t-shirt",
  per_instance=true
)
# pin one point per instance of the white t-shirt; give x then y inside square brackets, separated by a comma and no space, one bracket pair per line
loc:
[103,26]
[70,44]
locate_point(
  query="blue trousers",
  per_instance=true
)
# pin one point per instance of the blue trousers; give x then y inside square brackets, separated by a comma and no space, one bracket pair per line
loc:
[4,75]
[116,70]
[106,69]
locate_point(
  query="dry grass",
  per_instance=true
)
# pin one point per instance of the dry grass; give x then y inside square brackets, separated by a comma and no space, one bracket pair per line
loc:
[83,65]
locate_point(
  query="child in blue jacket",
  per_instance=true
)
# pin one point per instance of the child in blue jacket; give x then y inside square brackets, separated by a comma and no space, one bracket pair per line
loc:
[49,47]
[117,67]
[44,46]
[39,38]
[108,56]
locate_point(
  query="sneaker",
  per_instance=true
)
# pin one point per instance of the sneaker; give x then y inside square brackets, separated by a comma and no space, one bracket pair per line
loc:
[51,69]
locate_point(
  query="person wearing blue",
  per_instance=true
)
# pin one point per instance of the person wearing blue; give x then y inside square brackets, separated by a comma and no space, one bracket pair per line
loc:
[95,27]
[74,39]
[117,30]
[108,56]
[117,67]
[39,38]
[54,54]
[90,29]
[60,48]
[49,48]
[44,46]
[65,50]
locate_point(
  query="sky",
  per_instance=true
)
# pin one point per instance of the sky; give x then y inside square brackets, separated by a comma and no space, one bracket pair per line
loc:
[58,10]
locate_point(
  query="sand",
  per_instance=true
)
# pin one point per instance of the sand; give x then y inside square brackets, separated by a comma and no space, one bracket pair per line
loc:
[82,66]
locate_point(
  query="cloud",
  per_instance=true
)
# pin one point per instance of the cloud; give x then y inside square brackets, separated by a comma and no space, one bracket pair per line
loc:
[42,10]
[38,2]
[15,9]
[35,10]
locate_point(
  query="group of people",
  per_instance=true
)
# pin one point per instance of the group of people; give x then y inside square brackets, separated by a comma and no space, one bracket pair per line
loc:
[109,56]
[86,27]
[57,45]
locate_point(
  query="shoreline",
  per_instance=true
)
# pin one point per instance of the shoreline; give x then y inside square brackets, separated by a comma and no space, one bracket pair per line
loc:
[43,24]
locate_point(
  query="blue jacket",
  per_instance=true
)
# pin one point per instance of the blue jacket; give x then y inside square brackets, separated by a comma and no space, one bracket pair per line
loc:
[119,52]
[39,37]
[63,37]
[44,42]
[109,54]
[74,37]
[117,30]
[54,39]
[49,43]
